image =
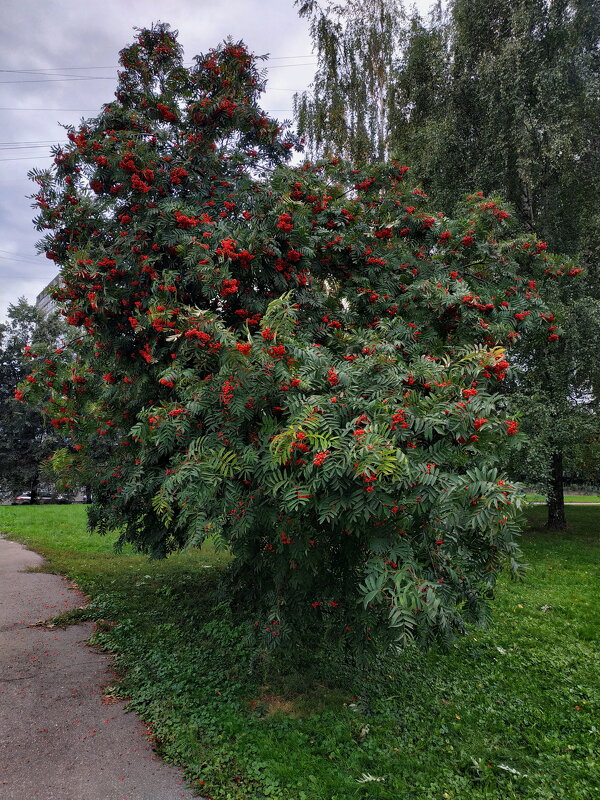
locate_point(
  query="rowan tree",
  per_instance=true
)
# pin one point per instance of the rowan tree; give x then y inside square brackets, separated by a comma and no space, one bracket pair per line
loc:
[301,363]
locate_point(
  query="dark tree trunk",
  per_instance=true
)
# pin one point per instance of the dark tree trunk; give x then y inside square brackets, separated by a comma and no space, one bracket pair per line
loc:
[556,498]
[88,494]
[33,489]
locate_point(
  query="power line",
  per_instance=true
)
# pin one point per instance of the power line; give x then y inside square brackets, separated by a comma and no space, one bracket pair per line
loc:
[43,70]
[17,108]
[116,66]
[56,75]
[18,260]
[95,110]
[50,143]
[304,64]
[35,144]
[62,80]
[24,158]
[69,78]
[27,141]
[4,149]
[10,253]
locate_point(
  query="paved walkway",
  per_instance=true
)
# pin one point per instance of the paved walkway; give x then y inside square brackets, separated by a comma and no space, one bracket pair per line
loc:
[59,739]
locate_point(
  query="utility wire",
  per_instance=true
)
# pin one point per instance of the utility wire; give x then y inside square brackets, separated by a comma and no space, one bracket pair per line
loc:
[17,260]
[41,144]
[17,108]
[62,80]
[4,149]
[26,141]
[116,66]
[24,158]
[111,77]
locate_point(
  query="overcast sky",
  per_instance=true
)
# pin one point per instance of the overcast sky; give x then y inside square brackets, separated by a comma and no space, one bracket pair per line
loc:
[58,63]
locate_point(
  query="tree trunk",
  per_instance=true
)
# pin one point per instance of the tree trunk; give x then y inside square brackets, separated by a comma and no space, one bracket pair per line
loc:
[33,489]
[527,212]
[556,498]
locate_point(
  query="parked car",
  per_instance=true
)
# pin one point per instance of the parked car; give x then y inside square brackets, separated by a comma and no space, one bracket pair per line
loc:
[25,499]
[42,499]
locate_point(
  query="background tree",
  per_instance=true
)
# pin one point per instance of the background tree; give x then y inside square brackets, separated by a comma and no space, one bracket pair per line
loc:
[556,397]
[26,440]
[73,470]
[351,101]
[422,130]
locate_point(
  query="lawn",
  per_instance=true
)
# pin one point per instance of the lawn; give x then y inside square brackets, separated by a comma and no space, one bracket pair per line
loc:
[569,498]
[509,712]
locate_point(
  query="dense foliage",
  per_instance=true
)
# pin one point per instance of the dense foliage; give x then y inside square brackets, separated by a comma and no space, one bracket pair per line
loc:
[300,363]
[501,97]
[26,440]
[516,112]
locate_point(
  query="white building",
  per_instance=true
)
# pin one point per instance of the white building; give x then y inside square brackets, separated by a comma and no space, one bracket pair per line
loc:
[44,301]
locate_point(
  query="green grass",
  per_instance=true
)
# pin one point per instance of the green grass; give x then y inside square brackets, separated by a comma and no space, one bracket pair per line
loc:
[569,498]
[509,712]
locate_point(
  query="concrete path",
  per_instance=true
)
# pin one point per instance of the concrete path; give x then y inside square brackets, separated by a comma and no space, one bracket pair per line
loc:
[59,739]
